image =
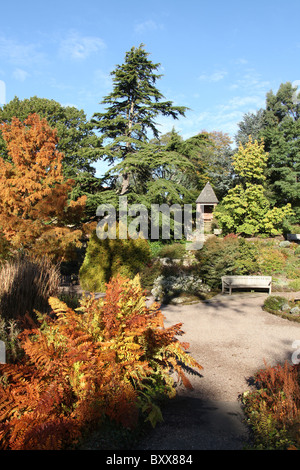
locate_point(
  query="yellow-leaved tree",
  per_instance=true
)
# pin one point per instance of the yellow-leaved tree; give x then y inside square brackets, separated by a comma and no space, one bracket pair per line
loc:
[35,213]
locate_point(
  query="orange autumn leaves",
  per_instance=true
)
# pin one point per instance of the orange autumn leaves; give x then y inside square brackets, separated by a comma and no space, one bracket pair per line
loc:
[34,207]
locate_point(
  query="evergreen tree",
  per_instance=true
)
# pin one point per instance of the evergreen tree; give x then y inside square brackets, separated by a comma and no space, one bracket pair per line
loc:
[246,209]
[251,125]
[128,123]
[281,134]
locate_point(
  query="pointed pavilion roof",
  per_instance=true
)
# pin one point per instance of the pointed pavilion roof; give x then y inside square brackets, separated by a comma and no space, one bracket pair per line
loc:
[207,195]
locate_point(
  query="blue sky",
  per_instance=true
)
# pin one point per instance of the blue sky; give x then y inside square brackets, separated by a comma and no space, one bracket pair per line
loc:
[217,58]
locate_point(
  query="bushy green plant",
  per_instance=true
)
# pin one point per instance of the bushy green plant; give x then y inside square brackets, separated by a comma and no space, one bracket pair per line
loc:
[226,256]
[293,272]
[149,273]
[109,257]
[155,247]
[274,303]
[270,260]
[173,251]
[295,284]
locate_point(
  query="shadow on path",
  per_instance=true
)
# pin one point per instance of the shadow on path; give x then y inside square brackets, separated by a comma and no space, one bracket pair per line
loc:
[199,424]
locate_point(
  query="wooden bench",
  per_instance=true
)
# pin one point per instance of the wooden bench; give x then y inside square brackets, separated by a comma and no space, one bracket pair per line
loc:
[246,282]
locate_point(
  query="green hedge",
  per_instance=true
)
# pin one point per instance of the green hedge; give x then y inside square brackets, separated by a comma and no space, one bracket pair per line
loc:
[106,258]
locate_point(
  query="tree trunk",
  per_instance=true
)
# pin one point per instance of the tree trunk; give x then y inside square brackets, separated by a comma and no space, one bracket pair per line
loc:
[125,176]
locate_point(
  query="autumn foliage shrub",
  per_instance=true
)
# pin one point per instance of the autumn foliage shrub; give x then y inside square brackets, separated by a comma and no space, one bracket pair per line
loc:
[110,359]
[271,259]
[35,211]
[273,410]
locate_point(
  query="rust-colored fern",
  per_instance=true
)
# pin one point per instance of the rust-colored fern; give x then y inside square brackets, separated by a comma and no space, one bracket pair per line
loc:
[112,357]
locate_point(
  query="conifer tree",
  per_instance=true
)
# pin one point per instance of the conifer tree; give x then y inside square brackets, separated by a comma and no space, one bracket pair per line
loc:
[128,122]
[246,209]
[281,134]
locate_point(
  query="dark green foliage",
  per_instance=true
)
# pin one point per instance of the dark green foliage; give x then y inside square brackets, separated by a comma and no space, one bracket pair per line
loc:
[149,273]
[173,251]
[220,257]
[143,170]
[275,302]
[278,125]
[281,134]
[251,125]
[107,258]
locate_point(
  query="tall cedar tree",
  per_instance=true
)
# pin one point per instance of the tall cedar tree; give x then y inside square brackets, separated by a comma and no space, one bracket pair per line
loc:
[130,115]
[34,208]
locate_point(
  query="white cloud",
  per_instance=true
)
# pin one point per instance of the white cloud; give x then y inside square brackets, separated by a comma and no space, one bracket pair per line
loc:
[148,25]
[214,77]
[19,53]
[250,80]
[80,47]
[20,74]
[240,61]
[237,102]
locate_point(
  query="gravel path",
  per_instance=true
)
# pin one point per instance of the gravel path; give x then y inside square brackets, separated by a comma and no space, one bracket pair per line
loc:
[231,337]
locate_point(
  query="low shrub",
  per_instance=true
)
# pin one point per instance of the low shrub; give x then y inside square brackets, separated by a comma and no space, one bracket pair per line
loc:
[292,272]
[155,247]
[149,273]
[295,285]
[112,359]
[271,260]
[288,309]
[273,409]
[275,303]
[173,251]
[167,287]
[109,257]
[226,256]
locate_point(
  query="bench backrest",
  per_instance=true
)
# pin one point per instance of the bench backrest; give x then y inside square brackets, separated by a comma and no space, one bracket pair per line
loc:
[247,280]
